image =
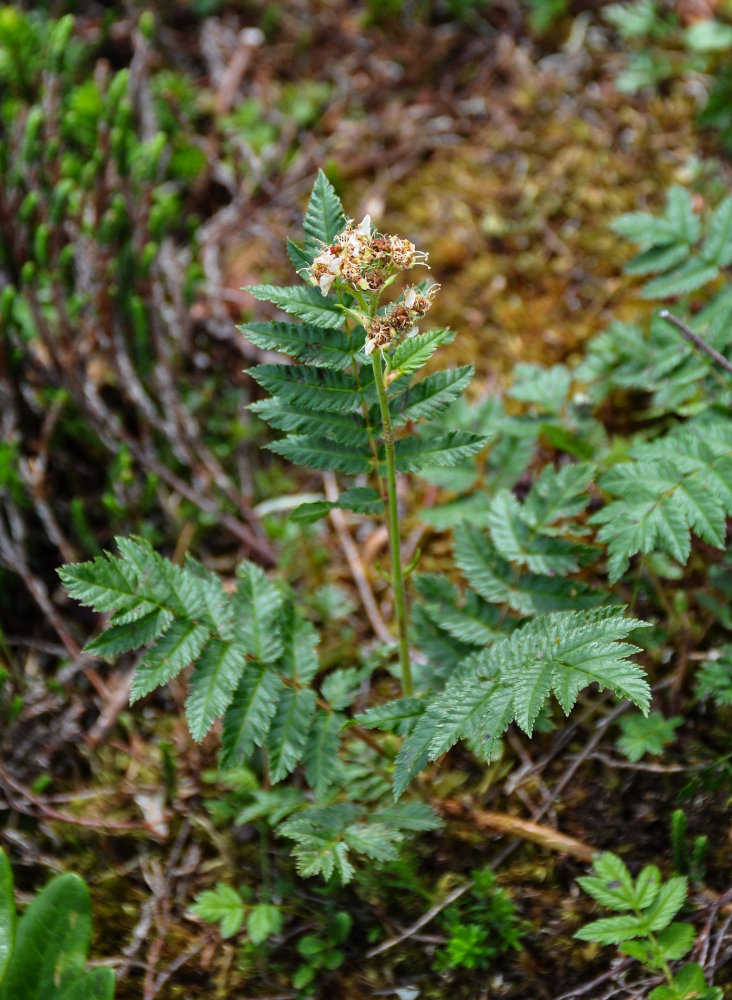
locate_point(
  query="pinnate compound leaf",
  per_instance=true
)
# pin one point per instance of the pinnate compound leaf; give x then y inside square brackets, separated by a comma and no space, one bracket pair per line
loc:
[306,303]
[560,653]
[52,941]
[7,913]
[248,718]
[222,905]
[321,752]
[324,216]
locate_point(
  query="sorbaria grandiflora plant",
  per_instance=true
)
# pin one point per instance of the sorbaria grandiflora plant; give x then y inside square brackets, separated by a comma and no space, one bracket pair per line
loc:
[472,662]
[645,927]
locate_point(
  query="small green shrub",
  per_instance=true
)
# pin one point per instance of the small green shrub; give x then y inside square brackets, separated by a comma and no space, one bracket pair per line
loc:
[645,927]
[479,926]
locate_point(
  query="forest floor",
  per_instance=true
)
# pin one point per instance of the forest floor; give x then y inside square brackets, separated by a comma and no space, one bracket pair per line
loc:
[507,158]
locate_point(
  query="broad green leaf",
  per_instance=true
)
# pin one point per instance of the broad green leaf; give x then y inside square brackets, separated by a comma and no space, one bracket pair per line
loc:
[324,217]
[308,304]
[212,684]
[642,735]
[52,941]
[7,913]
[174,650]
[676,940]
[95,985]
[708,35]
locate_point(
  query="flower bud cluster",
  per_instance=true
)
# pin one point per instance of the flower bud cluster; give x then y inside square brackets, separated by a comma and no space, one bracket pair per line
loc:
[363,259]
[400,320]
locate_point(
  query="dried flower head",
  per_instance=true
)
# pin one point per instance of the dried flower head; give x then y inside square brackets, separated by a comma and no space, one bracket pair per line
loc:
[380,333]
[363,259]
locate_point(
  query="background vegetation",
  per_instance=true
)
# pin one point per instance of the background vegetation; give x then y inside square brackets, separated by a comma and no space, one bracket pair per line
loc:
[154,161]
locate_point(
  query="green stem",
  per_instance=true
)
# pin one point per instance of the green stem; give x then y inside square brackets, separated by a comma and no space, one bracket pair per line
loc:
[397,574]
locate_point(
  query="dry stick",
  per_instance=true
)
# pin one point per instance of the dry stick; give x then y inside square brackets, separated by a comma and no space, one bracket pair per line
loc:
[355,565]
[688,334]
[423,920]
[47,812]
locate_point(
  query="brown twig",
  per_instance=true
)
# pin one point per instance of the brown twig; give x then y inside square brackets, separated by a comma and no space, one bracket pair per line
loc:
[693,338]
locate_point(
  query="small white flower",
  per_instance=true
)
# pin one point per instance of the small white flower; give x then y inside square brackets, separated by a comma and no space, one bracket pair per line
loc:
[326,282]
[369,347]
[364,227]
[409,296]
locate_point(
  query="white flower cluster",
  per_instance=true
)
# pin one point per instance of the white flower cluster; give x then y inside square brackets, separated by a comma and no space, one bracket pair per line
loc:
[363,259]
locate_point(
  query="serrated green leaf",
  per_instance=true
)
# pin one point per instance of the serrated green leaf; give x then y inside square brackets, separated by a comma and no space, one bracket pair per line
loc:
[717,247]
[397,716]
[430,396]
[309,513]
[642,735]
[612,930]
[105,583]
[644,228]
[676,940]
[324,217]
[680,213]
[304,385]
[361,499]
[694,274]
[264,921]
[373,839]
[258,603]
[320,453]
[298,256]
[321,752]
[444,450]
[308,304]
[288,731]
[248,718]
[121,638]
[671,897]
[211,687]
[657,259]
[314,345]
[173,651]
[414,352]
[344,428]
[221,905]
